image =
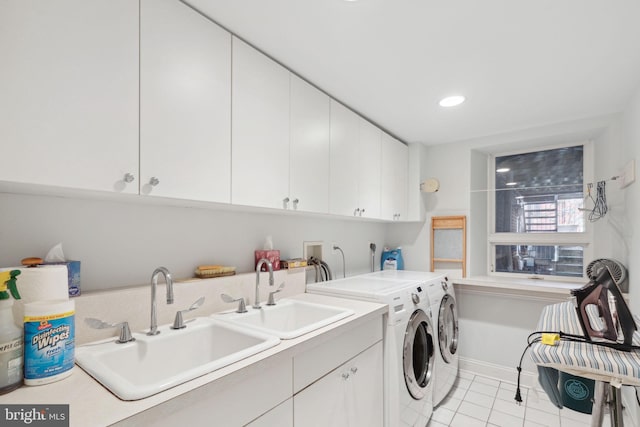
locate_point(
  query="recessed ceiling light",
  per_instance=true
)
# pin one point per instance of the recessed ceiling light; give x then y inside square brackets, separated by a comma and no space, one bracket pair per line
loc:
[502,170]
[511,183]
[452,101]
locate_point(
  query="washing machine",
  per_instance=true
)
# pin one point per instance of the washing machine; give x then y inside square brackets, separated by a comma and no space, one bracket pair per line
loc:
[408,342]
[444,314]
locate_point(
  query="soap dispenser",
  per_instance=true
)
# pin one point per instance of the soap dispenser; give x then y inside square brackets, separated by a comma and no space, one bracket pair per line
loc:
[11,336]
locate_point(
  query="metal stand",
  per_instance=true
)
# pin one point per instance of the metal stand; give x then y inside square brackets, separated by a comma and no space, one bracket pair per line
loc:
[606,394]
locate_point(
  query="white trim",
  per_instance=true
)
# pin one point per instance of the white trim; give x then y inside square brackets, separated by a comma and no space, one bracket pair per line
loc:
[498,372]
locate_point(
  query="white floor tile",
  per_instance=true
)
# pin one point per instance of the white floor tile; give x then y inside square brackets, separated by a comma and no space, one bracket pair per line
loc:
[457,393]
[542,417]
[484,389]
[479,399]
[468,375]
[504,420]
[567,422]
[509,408]
[510,395]
[433,423]
[443,415]
[508,386]
[461,420]
[575,415]
[462,383]
[543,404]
[450,403]
[488,381]
[474,411]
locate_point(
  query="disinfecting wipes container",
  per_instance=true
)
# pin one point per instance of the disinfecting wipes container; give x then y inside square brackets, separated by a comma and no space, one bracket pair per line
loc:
[49,331]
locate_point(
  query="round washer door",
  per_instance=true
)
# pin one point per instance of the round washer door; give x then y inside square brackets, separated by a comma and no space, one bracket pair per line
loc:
[448,328]
[417,354]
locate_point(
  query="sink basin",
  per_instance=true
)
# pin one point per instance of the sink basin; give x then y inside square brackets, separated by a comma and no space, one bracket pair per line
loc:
[151,364]
[288,318]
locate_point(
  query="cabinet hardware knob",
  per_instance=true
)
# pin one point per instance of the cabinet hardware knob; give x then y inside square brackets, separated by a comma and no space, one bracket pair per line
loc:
[128,178]
[154,181]
[295,203]
[356,212]
[361,212]
[285,203]
[354,370]
[345,376]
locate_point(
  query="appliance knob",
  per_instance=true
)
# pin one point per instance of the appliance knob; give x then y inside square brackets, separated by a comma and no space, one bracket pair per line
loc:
[415,298]
[128,178]
[154,181]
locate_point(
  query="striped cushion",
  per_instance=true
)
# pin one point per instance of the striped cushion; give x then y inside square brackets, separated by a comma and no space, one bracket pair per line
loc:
[584,359]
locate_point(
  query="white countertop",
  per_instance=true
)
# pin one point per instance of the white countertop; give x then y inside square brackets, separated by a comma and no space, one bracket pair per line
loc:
[90,404]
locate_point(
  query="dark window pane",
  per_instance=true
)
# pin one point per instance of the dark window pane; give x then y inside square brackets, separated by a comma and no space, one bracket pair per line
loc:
[540,191]
[541,260]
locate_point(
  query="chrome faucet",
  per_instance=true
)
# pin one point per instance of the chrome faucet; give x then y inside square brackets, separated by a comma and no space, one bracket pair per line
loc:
[263,261]
[153,329]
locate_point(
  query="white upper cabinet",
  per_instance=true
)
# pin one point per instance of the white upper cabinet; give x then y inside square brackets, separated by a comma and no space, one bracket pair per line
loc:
[69,85]
[185,104]
[394,174]
[355,164]
[310,128]
[343,176]
[260,129]
[369,146]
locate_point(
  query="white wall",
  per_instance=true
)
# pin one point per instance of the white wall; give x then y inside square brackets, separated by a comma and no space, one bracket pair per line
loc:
[120,243]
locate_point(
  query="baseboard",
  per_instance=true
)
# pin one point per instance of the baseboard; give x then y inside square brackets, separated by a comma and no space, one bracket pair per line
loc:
[499,372]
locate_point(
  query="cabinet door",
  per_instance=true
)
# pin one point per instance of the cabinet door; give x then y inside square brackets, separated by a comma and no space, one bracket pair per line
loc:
[69,85]
[369,169]
[280,416]
[185,103]
[348,396]
[310,133]
[343,175]
[260,129]
[395,166]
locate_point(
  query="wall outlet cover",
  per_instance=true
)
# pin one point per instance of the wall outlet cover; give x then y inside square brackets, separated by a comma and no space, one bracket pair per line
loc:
[628,174]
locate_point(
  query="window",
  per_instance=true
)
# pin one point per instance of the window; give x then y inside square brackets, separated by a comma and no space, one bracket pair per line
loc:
[539,225]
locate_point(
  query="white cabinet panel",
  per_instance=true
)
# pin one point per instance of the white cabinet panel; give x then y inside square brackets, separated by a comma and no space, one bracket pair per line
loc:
[369,143]
[343,178]
[351,395]
[310,135]
[185,103]
[69,85]
[395,166]
[280,416]
[260,129]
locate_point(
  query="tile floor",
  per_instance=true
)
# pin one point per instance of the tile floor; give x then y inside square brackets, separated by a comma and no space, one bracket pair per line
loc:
[485,402]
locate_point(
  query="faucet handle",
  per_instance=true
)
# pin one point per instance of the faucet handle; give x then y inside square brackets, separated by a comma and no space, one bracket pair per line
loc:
[242,307]
[125,331]
[272,300]
[178,322]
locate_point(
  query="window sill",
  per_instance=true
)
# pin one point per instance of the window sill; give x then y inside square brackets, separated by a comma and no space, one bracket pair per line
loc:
[526,288]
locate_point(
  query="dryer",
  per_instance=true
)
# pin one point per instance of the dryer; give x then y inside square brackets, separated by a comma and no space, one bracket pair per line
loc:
[408,342]
[444,314]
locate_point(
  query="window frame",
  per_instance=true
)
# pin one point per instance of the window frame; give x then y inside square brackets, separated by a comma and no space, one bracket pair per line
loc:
[584,238]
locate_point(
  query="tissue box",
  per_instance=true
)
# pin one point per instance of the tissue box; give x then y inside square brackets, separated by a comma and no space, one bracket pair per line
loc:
[273,255]
[73,270]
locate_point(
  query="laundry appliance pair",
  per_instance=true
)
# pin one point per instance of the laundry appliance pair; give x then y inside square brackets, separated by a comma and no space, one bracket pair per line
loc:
[420,340]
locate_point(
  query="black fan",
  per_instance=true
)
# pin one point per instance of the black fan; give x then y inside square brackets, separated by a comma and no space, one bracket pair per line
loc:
[617,270]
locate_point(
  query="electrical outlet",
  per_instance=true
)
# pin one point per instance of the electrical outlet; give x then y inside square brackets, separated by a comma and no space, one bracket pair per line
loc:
[628,174]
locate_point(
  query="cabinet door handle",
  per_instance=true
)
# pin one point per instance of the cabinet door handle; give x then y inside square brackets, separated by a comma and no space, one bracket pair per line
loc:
[285,203]
[295,203]
[128,178]
[154,181]
[345,376]
[361,212]
[356,212]
[354,370]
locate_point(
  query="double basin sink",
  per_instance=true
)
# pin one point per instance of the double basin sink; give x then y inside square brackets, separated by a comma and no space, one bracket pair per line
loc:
[152,364]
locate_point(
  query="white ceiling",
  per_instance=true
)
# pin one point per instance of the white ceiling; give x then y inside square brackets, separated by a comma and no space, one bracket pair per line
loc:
[521,64]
